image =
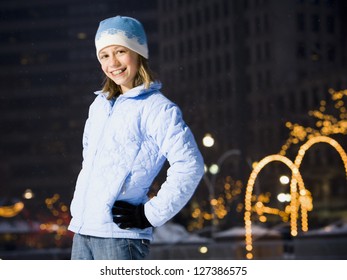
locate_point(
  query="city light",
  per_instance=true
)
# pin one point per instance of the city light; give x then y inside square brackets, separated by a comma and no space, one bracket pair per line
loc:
[326,124]
[12,210]
[284,180]
[217,204]
[28,194]
[208,140]
[214,169]
[203,249]
[284,197]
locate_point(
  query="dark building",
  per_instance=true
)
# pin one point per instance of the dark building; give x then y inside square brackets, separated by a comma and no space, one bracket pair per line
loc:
[242,69]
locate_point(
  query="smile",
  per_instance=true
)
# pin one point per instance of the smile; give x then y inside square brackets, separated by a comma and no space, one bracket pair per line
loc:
[117,72]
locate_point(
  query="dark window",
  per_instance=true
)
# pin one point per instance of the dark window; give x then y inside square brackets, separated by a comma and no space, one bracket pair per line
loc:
[258,52]
[304,101]
[330,24]
[198,18]
[315,23]
[180,24]
[267,51]
[330,3]
[280,104]
[216,11]
[331,54]
[208,41]
[226,35]
[268,79]
[292,105]
[266,23]
[257,25]
[217,38]
[315,97]
[301,22]
[301,50]
[207,14]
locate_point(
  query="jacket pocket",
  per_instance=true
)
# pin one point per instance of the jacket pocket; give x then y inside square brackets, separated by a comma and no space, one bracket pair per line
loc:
[123,185]
[116,188]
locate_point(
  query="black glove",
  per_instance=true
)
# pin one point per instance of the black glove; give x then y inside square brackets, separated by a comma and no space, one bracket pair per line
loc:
[126,215]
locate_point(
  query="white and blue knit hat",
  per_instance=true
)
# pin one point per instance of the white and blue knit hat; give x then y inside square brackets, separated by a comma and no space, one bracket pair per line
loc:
[124,31]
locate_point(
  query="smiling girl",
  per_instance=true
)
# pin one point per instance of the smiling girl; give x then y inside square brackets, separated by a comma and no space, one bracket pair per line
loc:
[131,130]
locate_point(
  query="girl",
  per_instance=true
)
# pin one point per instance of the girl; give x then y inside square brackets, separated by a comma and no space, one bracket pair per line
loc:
[131,130]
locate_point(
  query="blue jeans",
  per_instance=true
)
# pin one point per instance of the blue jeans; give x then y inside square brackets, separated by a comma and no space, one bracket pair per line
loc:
[86,247]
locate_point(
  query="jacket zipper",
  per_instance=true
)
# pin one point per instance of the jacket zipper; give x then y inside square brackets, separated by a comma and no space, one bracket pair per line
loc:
[97,152]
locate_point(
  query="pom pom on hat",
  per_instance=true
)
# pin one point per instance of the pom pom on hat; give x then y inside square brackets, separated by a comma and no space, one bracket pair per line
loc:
[124,31]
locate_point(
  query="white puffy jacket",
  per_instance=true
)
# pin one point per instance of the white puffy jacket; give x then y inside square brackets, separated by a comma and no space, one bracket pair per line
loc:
[125,144]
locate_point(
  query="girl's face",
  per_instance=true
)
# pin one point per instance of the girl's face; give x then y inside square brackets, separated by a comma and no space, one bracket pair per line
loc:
[120,64]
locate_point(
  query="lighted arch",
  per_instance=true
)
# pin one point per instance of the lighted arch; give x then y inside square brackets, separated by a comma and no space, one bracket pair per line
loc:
[301,153]
[296,180]
[321,139]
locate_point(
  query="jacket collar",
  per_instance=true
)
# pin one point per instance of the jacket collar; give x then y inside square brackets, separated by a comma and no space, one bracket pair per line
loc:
[136,91]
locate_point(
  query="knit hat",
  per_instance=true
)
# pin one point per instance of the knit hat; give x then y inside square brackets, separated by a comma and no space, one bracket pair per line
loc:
[124,31]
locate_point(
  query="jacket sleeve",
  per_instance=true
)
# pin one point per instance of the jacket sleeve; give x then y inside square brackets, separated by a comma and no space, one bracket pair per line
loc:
[176,142]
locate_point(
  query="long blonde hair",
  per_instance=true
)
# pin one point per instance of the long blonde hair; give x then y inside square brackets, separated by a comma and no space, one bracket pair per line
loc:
[144,76]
